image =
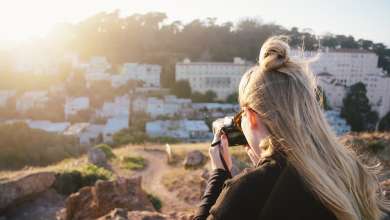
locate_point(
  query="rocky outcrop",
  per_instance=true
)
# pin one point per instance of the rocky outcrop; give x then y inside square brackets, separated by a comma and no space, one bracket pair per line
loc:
[121,214]
[17,190]
[97,157]
[96,201]
[43,207]
[194,158]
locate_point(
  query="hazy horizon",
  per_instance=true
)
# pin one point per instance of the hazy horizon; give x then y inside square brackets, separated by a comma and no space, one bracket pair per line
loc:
[25,20]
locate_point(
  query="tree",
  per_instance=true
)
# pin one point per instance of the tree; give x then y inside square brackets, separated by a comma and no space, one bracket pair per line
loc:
[232,98]
[182,89]
[209,96]
[322,99]
[384,124]
[356,109]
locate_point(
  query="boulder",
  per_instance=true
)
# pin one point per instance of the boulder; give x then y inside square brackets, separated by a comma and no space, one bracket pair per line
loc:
[92,202]
[19,189]
[194,158]
[121,214]
[97,157]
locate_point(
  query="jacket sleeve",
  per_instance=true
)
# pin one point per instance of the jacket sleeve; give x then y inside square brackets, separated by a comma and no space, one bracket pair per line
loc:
[214,187]
[243,196]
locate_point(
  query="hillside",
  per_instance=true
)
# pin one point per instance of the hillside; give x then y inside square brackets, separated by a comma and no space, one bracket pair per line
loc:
[171,187]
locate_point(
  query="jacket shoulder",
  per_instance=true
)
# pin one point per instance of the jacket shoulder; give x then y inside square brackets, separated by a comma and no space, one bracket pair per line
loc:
[243,196]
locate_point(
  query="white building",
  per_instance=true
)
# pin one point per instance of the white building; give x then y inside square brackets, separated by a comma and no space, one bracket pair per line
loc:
[182,129]
[74,105]
[32,99]
[215,107]
[96,70]
[112,126]
[222,78]
[338,69]
[85,133]
[5,95]
[118,108]
[148,73]
[48,126]
[170,105]
[33,61]
[98,64]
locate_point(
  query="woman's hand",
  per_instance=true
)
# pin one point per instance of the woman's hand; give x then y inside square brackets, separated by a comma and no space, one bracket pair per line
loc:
[215,158]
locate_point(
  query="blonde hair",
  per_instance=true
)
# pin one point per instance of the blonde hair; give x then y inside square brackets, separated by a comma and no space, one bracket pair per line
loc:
[282,91]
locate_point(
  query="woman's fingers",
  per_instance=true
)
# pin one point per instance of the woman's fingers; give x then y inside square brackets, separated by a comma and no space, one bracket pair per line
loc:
[225,151]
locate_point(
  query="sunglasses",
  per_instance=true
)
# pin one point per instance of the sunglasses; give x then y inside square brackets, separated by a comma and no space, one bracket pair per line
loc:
[237,119]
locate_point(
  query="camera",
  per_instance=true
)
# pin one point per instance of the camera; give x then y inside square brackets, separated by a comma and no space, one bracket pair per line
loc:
[227,126]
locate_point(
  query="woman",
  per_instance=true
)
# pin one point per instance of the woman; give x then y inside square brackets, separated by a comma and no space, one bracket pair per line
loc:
[301,170]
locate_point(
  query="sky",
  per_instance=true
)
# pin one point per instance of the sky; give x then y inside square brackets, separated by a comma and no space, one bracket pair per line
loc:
[24,19]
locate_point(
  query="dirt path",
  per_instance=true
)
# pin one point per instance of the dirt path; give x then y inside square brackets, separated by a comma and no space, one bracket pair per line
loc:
[152,180]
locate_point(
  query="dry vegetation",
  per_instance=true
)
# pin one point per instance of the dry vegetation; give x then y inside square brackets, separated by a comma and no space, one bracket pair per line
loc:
[187,184]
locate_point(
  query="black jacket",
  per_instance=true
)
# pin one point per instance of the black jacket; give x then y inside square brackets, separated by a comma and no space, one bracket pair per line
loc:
[271,190]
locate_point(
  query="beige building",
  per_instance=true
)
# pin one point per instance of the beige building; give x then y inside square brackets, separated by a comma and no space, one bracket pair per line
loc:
[221,77]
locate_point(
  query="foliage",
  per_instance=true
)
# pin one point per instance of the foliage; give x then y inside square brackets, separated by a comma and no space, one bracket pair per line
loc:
[209,96]
[357,110]
[182,89]
[129,136]
[232,98]
[71,181]
[22,146]
[133,163]
[376,146]
[107,150]
[163,140]
[384,124]
[156,202]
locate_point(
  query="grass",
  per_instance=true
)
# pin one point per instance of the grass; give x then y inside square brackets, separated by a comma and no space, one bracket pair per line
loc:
[133,162]
[187,184]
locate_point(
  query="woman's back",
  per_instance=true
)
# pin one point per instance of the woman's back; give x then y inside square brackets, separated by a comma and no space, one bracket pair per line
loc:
[271,190]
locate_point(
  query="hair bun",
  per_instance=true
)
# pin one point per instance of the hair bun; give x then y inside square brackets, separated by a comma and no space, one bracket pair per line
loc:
[274,53]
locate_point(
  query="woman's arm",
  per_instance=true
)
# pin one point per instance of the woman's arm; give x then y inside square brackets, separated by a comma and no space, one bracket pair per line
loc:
[220,160]
[214,188]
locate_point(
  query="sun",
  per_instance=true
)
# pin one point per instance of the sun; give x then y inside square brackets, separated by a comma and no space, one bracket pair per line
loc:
[19,21]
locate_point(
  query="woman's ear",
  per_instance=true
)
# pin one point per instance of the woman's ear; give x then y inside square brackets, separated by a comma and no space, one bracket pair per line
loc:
[252,117]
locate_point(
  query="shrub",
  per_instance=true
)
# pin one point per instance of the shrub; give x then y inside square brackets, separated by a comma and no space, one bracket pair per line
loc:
[156,202]
[169,140]
[133,163]
[376,146]
[71,181]
[129,136]
[107,150]
[22,146]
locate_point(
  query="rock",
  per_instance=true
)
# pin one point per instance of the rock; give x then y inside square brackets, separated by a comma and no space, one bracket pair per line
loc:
[96,201]
[116,214]
[97,157]
[194,158]
[145,215]
[14,191]
[205,174]
[43,207]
